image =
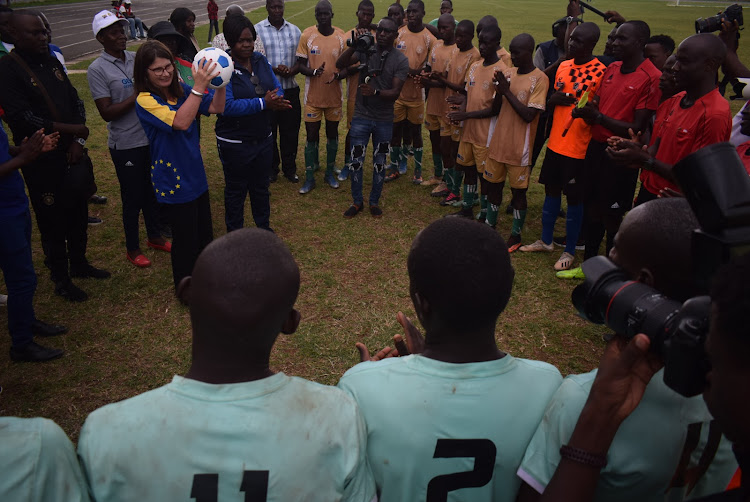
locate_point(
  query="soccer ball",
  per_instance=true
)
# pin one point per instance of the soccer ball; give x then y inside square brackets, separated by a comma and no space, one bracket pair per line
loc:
[224,62]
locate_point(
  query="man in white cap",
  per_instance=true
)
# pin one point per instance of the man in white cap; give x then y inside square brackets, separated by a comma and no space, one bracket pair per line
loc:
[110,79]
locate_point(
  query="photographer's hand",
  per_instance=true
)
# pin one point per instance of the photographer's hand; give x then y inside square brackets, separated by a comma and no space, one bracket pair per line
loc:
[366,90]
[612,16]
[574,9]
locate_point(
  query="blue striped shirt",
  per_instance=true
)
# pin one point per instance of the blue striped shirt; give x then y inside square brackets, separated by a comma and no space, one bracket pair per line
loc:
[281,46]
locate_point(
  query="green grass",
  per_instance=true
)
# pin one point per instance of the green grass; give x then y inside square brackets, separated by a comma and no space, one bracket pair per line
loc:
[132,335]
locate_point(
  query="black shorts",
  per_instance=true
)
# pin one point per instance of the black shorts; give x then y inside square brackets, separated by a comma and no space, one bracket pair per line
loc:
[608,187]
[565,172]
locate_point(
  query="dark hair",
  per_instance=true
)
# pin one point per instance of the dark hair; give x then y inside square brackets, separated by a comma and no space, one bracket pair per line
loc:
[390,20]
[145,57]
[180,16]
[233,27]
[449,1]
[493,31]
[664,40]
[478,260]
[418,2]
[396,5]
[641,29]
[466,24]
[366,3]
[731,301]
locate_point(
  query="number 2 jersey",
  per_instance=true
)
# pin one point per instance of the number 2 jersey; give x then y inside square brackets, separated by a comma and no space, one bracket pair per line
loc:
[668,449]
[277,439]
[444,431]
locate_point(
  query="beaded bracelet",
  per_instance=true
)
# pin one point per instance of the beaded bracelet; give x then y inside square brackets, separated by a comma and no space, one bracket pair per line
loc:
[582,456]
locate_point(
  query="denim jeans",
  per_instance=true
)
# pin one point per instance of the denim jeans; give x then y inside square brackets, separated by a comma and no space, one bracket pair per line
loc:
[359,134]
[247,167]
[20,278]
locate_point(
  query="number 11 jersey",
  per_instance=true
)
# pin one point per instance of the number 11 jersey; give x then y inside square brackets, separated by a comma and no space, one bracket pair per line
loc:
[441,431]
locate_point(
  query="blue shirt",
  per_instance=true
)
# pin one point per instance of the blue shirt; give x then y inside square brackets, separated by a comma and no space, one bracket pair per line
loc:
[13,199]
[280,46]
[245,116]
[177,172]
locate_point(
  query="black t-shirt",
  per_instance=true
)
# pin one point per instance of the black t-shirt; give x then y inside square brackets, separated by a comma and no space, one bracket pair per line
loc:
[395,65]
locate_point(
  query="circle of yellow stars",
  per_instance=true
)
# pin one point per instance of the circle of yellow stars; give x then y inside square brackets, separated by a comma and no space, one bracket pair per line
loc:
[177,177]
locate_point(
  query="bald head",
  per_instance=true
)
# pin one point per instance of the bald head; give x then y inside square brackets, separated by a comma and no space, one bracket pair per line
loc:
[589,32]
[242,290]
[446,19]
[324,4]
[655,240]
[235,10]
[707,46]
[524,41]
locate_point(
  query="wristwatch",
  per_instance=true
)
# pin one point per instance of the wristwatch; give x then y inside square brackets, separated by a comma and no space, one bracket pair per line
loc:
[80,141]
[377,92]
[648,164]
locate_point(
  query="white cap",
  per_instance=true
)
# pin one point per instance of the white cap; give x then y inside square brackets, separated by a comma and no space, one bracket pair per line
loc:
[106,18]
[127,1]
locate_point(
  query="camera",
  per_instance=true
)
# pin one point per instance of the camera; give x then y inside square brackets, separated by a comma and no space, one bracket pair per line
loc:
[363,44]
[717,187]
[710,24]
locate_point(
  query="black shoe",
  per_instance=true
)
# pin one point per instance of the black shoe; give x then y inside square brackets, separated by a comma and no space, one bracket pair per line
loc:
[465,212]
[98,199]
[509,209]
[273,177]
[34,353]
[293,178]
[40,328]
[94,221]
[352,211]
[89,272]
[70,292]
[376,212]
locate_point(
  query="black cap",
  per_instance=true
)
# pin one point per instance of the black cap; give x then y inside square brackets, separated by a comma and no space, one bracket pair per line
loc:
[163,29]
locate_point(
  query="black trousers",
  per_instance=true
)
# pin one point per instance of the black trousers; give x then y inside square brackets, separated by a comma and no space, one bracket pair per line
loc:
[134,175]
[287,123]
[62,216]
[192,230]
[246,171]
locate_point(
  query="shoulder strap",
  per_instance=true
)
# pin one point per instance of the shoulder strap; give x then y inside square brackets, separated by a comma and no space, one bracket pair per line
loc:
[50,104]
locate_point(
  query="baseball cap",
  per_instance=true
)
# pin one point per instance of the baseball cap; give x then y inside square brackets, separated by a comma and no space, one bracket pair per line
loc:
[106,18]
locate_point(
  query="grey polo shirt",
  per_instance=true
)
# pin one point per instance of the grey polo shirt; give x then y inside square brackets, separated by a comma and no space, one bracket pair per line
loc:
[110,77]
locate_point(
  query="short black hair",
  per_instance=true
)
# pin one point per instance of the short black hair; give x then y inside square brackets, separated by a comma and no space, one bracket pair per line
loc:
[493,31]
[664,40]
[731,301]
[449,1]
[475,257]
[233,27]
[180,16]
[466,24]
[641,28]
[396,5]
[418,2]
[366,3]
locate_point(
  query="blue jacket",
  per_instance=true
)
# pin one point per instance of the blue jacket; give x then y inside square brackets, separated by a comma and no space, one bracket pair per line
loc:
[245,116]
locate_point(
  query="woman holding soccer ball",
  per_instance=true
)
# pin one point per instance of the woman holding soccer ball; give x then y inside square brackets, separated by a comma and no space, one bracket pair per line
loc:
[243,130]
[167,110]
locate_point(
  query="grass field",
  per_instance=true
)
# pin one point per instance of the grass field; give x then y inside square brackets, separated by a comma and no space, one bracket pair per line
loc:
[132,335]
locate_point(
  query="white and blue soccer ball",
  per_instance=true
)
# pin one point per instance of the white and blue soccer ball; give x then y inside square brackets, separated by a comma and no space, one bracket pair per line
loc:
[224,62]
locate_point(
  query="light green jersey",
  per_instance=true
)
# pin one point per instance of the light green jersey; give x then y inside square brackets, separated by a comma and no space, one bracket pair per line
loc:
[643,462]
[277,439]
[443,431]
[38,462]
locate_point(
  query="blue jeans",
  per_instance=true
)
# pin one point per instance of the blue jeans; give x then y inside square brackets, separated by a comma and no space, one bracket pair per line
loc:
[20,278]
[359,134]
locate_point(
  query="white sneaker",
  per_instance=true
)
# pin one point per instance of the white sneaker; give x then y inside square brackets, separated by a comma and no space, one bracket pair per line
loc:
[537,247]
[565,262]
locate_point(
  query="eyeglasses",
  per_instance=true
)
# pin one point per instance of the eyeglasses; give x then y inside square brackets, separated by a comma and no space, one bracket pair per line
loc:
[162,70]
[381,29]
[258,88]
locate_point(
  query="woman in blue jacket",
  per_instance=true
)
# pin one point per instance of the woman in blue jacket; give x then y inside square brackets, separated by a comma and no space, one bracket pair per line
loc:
[243,130]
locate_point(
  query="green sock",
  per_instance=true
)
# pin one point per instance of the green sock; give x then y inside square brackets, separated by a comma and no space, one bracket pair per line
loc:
[492,211]
[483,203]
[437,160]
[395,157]
[332,148]
[470,191]
[311,159]
[448,175]
[519,216]
[458,178]
[417,162]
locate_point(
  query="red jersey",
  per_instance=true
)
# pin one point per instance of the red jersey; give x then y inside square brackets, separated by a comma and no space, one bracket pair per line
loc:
[683,131]
[213,11]
[621,94]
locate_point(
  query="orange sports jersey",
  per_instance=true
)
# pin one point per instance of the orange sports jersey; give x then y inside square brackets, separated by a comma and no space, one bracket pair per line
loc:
[505,57]
[318,49]
[513,139]
[353,81]
[575,79]
[440,56]
[416,47]
[458,68]
[480,91]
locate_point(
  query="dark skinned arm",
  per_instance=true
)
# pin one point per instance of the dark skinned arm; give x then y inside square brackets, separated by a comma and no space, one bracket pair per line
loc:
[391,94]
[631,152]
[732,66]
[112,111]
[502,89]
[591,114]
[347,58]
